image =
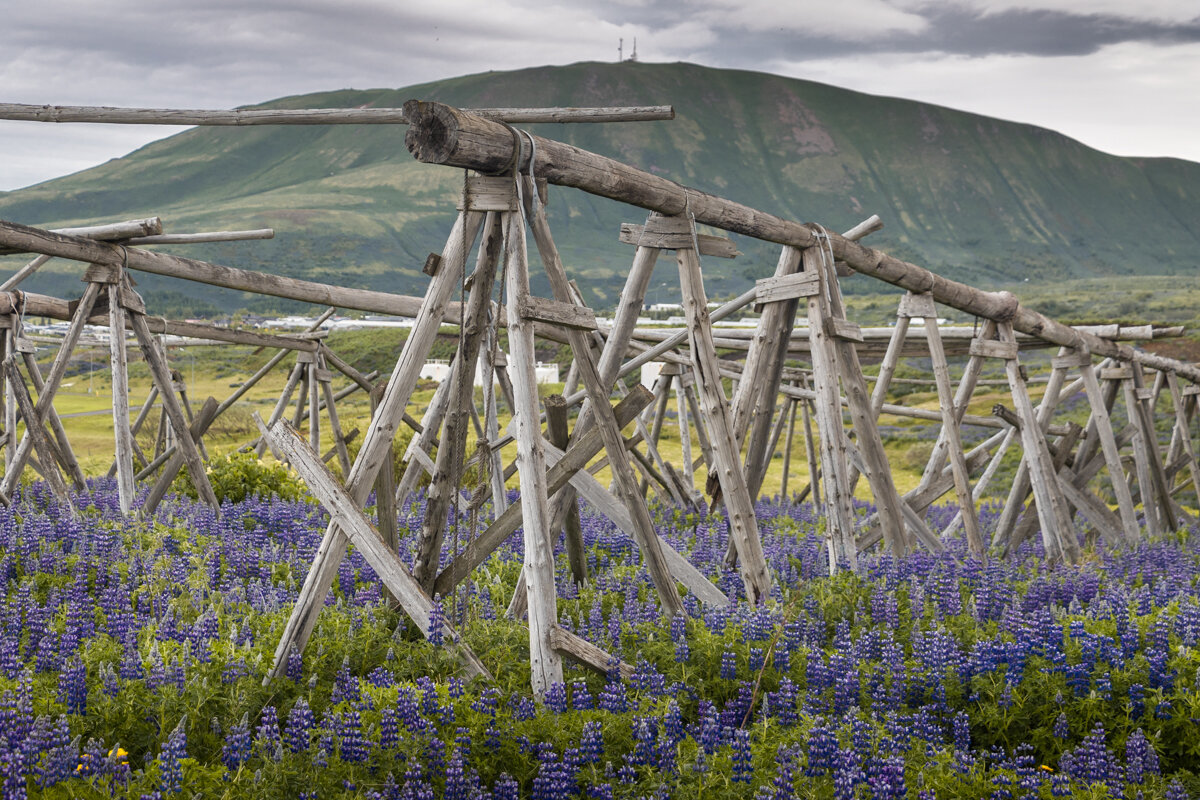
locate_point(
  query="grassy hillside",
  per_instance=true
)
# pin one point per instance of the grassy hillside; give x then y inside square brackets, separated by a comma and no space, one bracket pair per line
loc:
[978,199]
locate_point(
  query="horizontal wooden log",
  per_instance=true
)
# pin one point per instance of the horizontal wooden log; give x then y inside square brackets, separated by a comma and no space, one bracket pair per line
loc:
[42,305]
[150,226]
[313,116]
[200,238]
[441,134]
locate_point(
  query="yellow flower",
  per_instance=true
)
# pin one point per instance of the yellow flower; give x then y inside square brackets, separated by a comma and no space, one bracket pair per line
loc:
[1047,768]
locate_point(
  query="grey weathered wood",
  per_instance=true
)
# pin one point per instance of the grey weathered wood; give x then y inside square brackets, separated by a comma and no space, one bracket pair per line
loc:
[105,232]
[335,424]
[1183,431]
[201,238]
[1061,452]
[552,312]
[37,434]
[789,287]
[120,397]
[556,432]
[160,372]
[958,464]
[1101,423]
[69,463]
[377,444]
[1159,486]
[717,246]
[1058,533]
[417,455]
[441,134]
[586,653]
[544,662]
[645,535]
[173,459]
[787,449]
[346,512]
[685,442]
[743,526]
[313,116]
[448,468]
[24,272]
[45,400]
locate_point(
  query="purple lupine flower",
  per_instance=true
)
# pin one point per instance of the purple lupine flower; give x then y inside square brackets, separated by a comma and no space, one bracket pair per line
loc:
[352,745]
[505,788]
[556,697]
[742,770]
[437,621]
[591,743]
[170,780]
[237,745]
[72,687]
[728,665]
[581,698]
[300,724]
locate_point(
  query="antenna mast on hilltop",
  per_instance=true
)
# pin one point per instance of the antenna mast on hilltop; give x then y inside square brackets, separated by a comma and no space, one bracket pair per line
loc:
[633,55]
[620,50]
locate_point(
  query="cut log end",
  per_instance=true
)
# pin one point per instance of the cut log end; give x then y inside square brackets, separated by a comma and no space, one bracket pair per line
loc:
[432,135]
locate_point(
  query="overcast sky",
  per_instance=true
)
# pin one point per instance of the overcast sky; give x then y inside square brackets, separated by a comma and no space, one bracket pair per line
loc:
[1121,76]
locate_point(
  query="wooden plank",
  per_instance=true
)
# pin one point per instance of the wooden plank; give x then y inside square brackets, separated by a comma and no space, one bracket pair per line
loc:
[567,315]
[989,348]
[919,305]
[844,329]
[347,513]
[786,287]
[716,246]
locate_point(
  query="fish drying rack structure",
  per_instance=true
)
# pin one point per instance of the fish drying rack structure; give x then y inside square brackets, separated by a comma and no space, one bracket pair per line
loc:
[779,369]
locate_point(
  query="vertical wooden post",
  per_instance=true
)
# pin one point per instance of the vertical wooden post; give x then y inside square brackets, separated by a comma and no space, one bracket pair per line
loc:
[787,449]
[1101,426]
[1160,493]
[556,430]
[685,438]
[120,398]
[544,662]
[807,411]
[448,468]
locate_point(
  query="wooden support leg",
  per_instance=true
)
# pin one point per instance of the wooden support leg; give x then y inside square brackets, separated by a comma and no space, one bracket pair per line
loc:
[162,377]
[950,430]
[418,449]
[787,449]
[647,537]
[35,431]
[544,661]
[685,441]
[377,443]
[346,512]
[120,399]
[1160,486]
[448,469]
[1183,431]
[556,430]
[335,424]
[1101,426]
[281,405]
[743,527]
[1058,532]
[838,511]
[53,379]
[70,463]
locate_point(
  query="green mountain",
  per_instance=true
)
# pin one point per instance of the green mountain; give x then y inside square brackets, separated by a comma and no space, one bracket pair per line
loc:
[977,199]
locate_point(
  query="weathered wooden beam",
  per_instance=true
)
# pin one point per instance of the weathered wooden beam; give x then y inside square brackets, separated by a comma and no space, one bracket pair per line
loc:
[37,434]
[151,226]
[645,534]
[557,433]
[313,116]
[441,134]
[586,653]
[347,513]
[200,238]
